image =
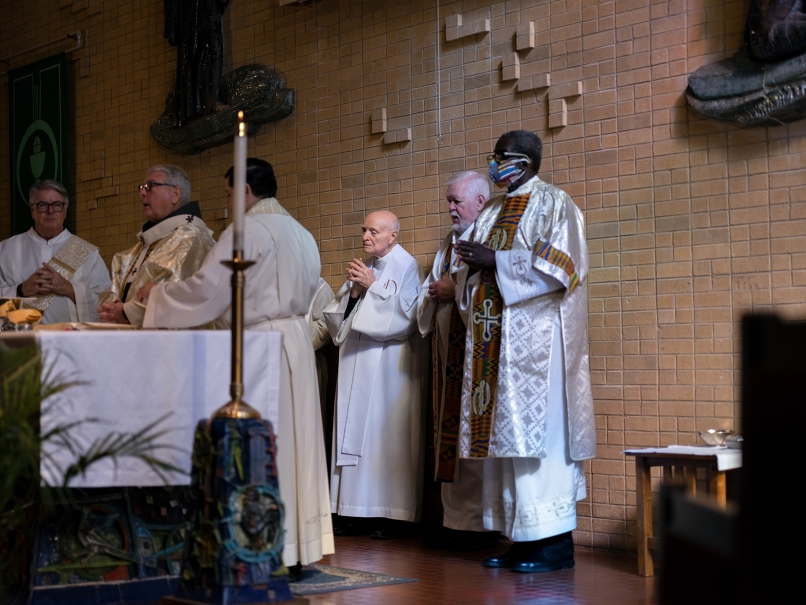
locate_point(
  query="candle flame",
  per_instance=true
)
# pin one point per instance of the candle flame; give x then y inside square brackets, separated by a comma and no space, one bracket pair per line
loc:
[241,125]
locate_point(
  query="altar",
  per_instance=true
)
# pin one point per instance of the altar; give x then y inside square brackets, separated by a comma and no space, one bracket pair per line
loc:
[126,380]
[115,543]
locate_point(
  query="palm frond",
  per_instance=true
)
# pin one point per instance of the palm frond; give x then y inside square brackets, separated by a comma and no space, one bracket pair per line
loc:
[26,391]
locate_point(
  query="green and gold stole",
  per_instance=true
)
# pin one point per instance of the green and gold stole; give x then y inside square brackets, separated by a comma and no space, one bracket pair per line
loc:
[448,428]
[488,308]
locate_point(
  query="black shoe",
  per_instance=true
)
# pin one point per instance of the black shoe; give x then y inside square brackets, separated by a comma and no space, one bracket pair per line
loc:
[554,553]
[391,530]
[508,558]
[295,572]
[352,526]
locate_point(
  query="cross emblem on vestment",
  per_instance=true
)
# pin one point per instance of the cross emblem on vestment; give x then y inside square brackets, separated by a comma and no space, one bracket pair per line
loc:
[487,319]
[520,265]
[189,218]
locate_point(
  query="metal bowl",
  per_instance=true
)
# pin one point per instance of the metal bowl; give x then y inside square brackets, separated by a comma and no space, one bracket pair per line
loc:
[715,436]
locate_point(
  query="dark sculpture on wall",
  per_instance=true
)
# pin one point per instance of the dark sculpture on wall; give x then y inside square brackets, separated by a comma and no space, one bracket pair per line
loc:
[194,28]
[764,84]
[202,110]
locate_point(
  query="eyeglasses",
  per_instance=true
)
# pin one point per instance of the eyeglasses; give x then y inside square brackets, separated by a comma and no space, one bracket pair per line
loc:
[149,185]
[500,156]
[55,206]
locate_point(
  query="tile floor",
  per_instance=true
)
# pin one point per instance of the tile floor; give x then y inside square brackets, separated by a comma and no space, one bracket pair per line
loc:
[447,577]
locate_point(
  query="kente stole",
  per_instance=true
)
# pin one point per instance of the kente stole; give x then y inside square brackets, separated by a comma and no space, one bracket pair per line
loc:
[65,262]
[448,430]
[488,308]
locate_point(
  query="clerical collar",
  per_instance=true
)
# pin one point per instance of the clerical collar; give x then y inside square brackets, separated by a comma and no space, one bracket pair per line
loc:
[526,187]
[62,237]
[380,262]
[191,208]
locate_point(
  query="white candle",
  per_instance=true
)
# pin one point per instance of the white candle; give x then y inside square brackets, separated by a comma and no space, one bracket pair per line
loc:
[239,183]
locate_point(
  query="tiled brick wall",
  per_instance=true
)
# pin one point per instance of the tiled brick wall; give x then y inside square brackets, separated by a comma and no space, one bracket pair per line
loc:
[691,222]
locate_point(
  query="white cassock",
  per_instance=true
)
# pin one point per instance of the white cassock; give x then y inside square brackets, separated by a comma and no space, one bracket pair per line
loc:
[278,293]
[543,425]
[21,255]
[378,433]
[320,336]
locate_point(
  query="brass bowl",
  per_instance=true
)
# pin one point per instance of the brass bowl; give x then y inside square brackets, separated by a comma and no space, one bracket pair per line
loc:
[715,436]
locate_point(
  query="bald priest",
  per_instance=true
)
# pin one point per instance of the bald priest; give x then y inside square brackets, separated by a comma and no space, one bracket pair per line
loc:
[376,480]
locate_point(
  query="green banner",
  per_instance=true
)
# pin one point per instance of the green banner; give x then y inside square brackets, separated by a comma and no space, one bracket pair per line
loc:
[38,132]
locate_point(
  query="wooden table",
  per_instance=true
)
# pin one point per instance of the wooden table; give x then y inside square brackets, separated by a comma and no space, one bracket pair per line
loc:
[680,464]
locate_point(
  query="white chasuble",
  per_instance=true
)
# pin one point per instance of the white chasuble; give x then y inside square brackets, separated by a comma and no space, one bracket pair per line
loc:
[523,498]
[278,292]
[378,433]
[542,276]
[21,255]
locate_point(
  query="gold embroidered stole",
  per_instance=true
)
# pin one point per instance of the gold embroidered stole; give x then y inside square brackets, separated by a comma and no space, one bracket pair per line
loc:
[448,427]
[488,308]
[65,262]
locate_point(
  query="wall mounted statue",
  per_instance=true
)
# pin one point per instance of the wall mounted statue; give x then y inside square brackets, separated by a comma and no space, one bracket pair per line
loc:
[764,84]
[202,110]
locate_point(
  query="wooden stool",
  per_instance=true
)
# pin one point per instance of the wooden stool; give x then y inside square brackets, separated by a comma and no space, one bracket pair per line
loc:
[680,467]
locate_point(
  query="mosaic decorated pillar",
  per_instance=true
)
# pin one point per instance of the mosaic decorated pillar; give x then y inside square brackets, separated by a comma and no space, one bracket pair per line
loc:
[233,551]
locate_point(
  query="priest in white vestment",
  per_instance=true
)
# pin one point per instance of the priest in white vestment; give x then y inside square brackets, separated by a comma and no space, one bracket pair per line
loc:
[378,435]
[277,295]
[527,411]
[320,337]
[63,273]
[437,314]
[170,247]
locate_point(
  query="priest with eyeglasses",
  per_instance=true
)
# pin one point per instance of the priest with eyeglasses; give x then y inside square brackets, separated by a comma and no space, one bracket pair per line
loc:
[526,422]
[59,272]
[171,246]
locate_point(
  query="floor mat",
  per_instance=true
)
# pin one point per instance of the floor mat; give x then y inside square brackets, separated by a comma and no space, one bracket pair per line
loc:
[323,578]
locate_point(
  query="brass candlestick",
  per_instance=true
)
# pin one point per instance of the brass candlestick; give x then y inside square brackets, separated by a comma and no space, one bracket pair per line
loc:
[237,408]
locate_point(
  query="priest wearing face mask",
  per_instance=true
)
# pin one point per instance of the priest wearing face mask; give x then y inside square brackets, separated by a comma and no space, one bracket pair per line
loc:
[526,412]
[376,482]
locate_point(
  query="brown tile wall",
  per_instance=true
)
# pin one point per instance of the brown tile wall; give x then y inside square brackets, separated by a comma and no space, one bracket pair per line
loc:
[691,222]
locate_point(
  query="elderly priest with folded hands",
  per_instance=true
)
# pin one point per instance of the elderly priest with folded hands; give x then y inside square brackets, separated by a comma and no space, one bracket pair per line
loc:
[376,481]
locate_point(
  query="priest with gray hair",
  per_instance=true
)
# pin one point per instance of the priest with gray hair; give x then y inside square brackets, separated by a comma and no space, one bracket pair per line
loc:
[171,246]
[62,273]
[466,194]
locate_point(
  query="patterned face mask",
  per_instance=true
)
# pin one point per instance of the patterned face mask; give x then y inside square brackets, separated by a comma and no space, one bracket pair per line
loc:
[506,167]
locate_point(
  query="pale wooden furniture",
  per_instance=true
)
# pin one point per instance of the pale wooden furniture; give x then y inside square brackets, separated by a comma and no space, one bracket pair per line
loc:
[680,465]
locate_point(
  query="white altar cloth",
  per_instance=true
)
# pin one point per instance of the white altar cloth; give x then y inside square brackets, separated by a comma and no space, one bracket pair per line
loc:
[726,458]
[132,378]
